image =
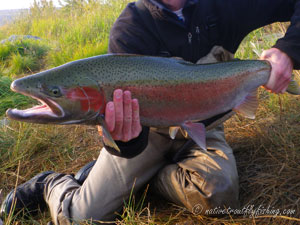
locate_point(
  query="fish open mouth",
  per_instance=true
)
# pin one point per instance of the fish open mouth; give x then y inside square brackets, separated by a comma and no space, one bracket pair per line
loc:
[45,112]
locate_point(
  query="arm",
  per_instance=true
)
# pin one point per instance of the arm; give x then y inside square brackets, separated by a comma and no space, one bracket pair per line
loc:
[238,18]
[281,73]
[130,35]
[122,116]
[290,43]
[285,54]
[123,122]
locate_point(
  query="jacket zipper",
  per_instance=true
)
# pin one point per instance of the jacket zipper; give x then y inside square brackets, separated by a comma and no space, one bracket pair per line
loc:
[190,36]
[198,33]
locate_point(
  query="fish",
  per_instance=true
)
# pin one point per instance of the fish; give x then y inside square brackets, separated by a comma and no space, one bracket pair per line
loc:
[172,93]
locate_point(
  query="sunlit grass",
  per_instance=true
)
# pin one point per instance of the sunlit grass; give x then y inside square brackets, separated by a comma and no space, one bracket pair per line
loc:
[71,33]
[22,56]
[9,99]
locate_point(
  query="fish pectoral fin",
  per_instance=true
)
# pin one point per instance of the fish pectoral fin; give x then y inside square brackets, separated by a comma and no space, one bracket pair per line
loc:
[248,107]
[109,139]
[173,131]
[293,87]
[197,132]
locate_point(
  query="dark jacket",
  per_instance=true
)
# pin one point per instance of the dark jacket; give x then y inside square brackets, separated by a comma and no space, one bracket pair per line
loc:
[207,23]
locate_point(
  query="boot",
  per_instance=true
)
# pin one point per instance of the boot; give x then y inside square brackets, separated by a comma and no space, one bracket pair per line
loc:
[27,197]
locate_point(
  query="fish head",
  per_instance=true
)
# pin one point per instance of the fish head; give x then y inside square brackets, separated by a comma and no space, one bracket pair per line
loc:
[65,97]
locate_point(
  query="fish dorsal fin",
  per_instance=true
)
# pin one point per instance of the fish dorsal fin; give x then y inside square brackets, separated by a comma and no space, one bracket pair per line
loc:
[173,131]
[109,139]
[248,107]
[197,132]
[293,87]
[182,61]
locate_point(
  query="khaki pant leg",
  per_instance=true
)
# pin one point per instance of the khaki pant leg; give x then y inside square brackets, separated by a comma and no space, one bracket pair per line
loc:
[107,186]
[202,180]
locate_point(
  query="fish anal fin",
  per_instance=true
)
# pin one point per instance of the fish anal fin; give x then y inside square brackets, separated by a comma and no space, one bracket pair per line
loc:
[196,131]
[249,106]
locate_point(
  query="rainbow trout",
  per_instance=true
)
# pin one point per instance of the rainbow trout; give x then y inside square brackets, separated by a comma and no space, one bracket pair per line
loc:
[171,92]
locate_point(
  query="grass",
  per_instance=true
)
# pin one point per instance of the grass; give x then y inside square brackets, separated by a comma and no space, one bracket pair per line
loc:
[22,56]
[9,99]
[71,33]
[267,149]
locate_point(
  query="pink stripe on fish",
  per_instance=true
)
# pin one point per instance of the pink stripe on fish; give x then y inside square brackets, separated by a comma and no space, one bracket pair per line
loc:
[182,101]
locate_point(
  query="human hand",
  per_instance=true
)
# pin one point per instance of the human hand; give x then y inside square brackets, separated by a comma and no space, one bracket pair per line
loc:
[122,116]
[281,73]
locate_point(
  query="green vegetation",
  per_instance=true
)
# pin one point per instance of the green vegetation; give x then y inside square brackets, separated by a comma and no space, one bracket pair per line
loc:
[78,30]
[267,149]
[10,99]
[21,56]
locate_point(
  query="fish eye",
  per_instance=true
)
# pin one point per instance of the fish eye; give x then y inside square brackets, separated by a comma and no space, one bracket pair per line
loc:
[55,92]
[52,91]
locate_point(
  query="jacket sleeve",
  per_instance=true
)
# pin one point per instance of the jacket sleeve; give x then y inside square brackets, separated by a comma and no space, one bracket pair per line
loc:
[242,17]
[129,36]
[132,148]
[290,43]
